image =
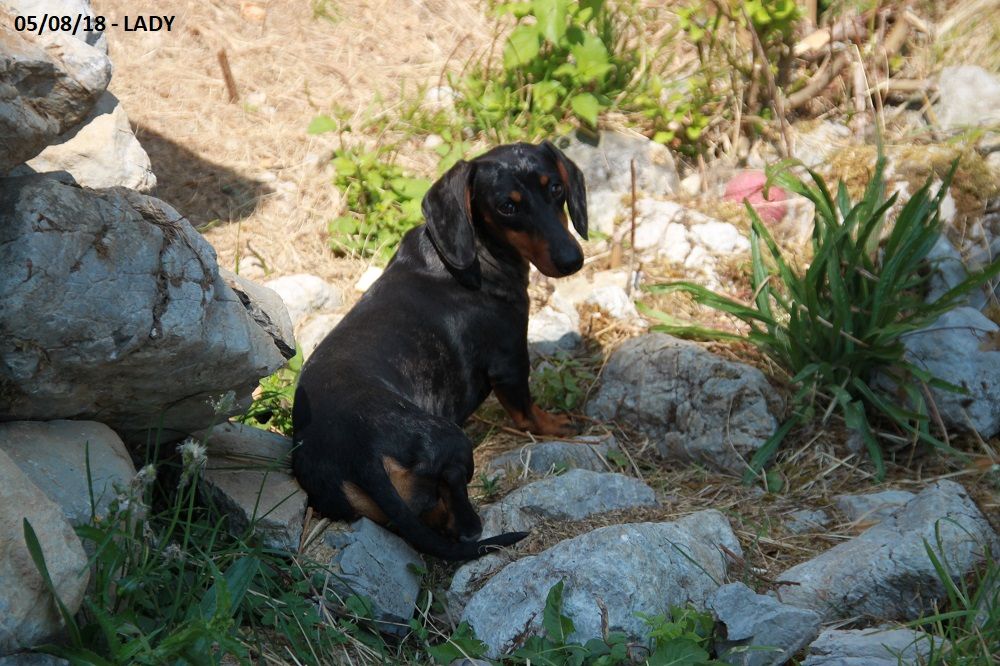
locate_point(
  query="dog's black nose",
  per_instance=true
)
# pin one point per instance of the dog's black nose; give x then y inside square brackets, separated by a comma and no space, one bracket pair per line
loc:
[569,261]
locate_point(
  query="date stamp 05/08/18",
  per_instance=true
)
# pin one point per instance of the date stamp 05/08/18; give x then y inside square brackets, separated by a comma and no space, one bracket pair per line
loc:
[74,23]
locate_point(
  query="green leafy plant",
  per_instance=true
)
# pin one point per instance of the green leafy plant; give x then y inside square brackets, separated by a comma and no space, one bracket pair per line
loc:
[837,326]
[564,59]
[561,383]
[383,203]
[680,640]
[272,407]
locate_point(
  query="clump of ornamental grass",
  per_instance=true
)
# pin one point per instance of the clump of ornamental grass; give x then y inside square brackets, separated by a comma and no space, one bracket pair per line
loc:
[837,327]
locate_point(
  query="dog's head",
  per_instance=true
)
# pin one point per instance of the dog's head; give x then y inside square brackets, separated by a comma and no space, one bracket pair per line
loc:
[515,195]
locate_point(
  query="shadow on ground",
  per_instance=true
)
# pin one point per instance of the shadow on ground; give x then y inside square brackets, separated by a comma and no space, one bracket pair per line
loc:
[203,191]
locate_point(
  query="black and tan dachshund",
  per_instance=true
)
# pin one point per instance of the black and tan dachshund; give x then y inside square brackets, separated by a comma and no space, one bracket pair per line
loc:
[379,404]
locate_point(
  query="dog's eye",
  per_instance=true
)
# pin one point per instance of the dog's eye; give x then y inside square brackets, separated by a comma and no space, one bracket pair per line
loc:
[556,189]
[507,208]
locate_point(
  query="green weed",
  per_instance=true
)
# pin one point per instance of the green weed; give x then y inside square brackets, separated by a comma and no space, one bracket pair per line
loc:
[272,408]
[561,383]
[837,326]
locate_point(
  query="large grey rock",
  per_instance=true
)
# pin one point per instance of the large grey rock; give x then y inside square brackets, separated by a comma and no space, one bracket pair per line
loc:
[266,308]
[28,614]
[100,152]
[373,563]
[758,630]
[575,495]
[248,477]
[48,84]
[963,348]
[585,452]
[886,572]
[305,294]
[872,506]
[949,269]
[967,96]
[606,166]
[870,647]
[695,405]
[114,309]
[630,569]
[54,455]
[571,496]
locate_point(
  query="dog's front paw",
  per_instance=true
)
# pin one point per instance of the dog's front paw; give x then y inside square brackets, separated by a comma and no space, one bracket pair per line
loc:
[544,423]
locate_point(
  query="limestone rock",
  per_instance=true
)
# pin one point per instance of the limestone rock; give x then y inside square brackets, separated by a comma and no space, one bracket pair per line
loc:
[806,520]
[585,452]
[114,308]
[314,329]
[373,563]
[54,455]
[967,96]
[305,294]
[606,166]
[248,477]
[571,496]
[630,569]
[551,331]
[48,84]
[872,506]
[886,572]
[696,406]
[963,348]
[869,647]
[775,631]
[100,152]
[28,614]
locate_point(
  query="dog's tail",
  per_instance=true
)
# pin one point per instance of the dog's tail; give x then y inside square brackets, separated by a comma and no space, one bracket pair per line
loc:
[423,538]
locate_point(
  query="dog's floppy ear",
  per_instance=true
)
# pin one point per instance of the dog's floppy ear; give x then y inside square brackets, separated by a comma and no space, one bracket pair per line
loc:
[576,189]
[448,210]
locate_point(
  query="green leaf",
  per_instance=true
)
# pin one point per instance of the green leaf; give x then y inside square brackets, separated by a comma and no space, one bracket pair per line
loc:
[545,95]
[462,644]
[592,60]
[321,124]
[586,107]
[551,19]
[678,652]
[556,625]
[522,46]
[35,550]
[410,188]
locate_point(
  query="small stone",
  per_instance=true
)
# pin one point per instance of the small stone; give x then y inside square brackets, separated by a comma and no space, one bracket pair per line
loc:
[719,237]
[585,452]
[870,647]
[314,330]
[575,495]
[968,96]
[551,331]
[799,522]
[368,278]
[305,294]
[613,301]
[758,630]
[872,507]
[373,563]
[248,478]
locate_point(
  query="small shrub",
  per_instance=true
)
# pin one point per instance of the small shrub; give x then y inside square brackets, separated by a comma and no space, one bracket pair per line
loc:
[272,408]
[837,326]
[382,204]
[561,383]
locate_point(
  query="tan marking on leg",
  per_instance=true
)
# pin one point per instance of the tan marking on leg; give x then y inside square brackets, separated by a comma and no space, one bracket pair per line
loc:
[363,504]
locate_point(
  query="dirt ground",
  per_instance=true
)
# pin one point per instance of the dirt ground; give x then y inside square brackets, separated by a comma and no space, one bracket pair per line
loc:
[246,172]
